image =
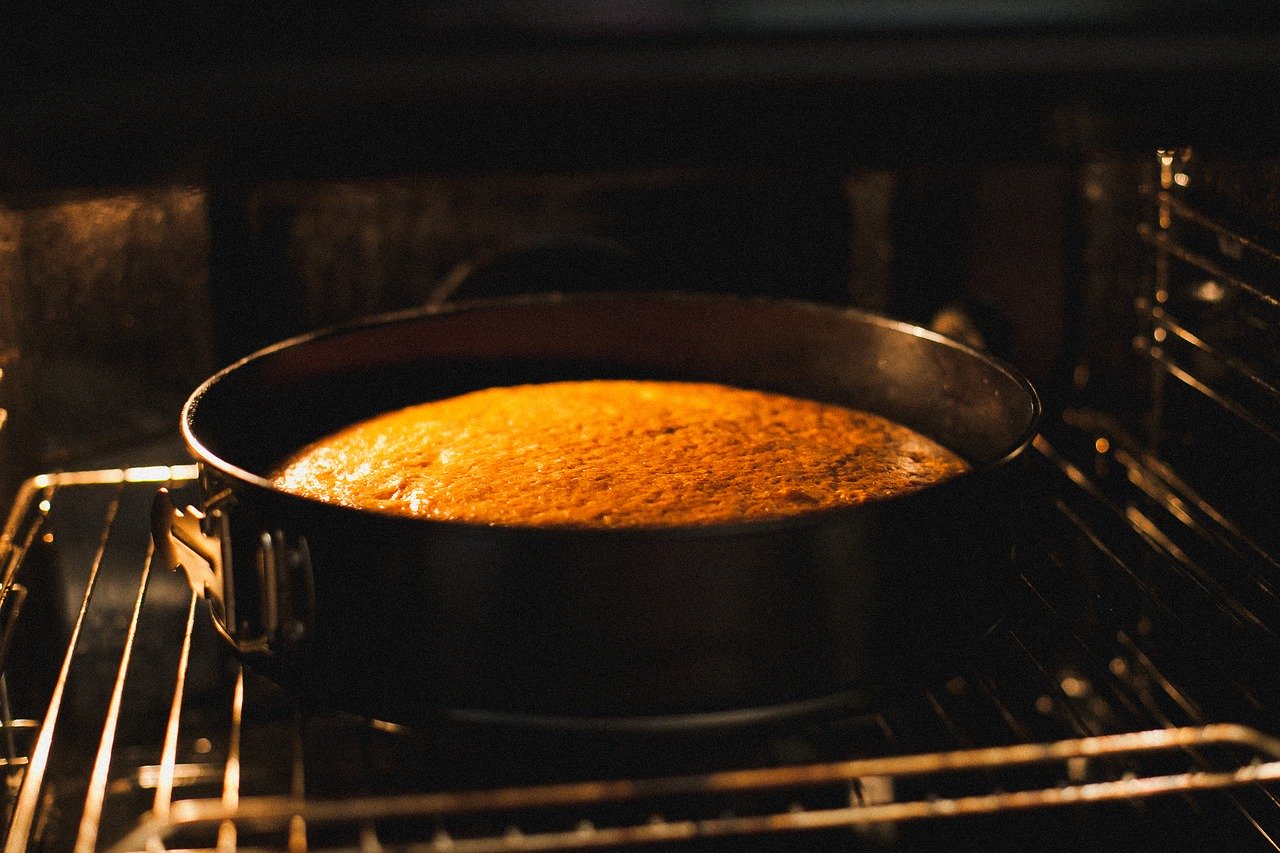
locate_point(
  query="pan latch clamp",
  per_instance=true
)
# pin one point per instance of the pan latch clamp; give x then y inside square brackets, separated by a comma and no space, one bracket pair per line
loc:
[287,587]
[198,542]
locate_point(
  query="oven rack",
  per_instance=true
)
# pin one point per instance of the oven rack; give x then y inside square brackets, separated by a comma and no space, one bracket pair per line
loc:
[1231,269]
[222,780]
[1255,397]
[279,813]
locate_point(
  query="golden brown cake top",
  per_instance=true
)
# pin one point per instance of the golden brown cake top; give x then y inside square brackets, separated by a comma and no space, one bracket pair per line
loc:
[616,453]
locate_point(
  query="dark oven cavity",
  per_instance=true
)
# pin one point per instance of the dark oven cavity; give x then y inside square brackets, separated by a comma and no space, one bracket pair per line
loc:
[1128,694]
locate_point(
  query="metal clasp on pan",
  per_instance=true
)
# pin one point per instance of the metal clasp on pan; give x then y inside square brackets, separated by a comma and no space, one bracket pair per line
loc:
[288,588]
[197,542]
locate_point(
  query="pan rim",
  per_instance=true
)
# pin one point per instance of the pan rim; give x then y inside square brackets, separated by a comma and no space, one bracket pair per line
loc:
[1012,451]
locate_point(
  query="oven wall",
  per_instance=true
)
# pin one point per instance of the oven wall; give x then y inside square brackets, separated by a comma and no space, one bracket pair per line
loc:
[114,306]
[328,252]
[104,319]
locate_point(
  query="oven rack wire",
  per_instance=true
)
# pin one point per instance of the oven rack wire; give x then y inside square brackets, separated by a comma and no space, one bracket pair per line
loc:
[208,805]
[1263,765]
[1235,274]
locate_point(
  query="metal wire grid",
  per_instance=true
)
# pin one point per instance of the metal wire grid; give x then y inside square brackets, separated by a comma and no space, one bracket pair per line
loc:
[928,747]
[1252,396]
[1231,270]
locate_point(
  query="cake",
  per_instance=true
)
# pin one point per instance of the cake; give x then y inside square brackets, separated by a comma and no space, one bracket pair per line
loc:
[616,453]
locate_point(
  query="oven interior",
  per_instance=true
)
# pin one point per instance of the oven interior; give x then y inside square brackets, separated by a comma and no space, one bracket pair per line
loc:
[1128,700]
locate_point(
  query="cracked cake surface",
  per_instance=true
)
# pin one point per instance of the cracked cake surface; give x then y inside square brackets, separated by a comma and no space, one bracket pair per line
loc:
[616,453]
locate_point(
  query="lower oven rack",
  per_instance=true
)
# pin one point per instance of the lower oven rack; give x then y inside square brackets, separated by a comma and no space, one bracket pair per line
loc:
[220,773]
[1262,764]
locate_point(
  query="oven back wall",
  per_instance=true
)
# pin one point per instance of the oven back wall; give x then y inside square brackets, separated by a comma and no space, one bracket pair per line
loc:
[115,306]
[103,321]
